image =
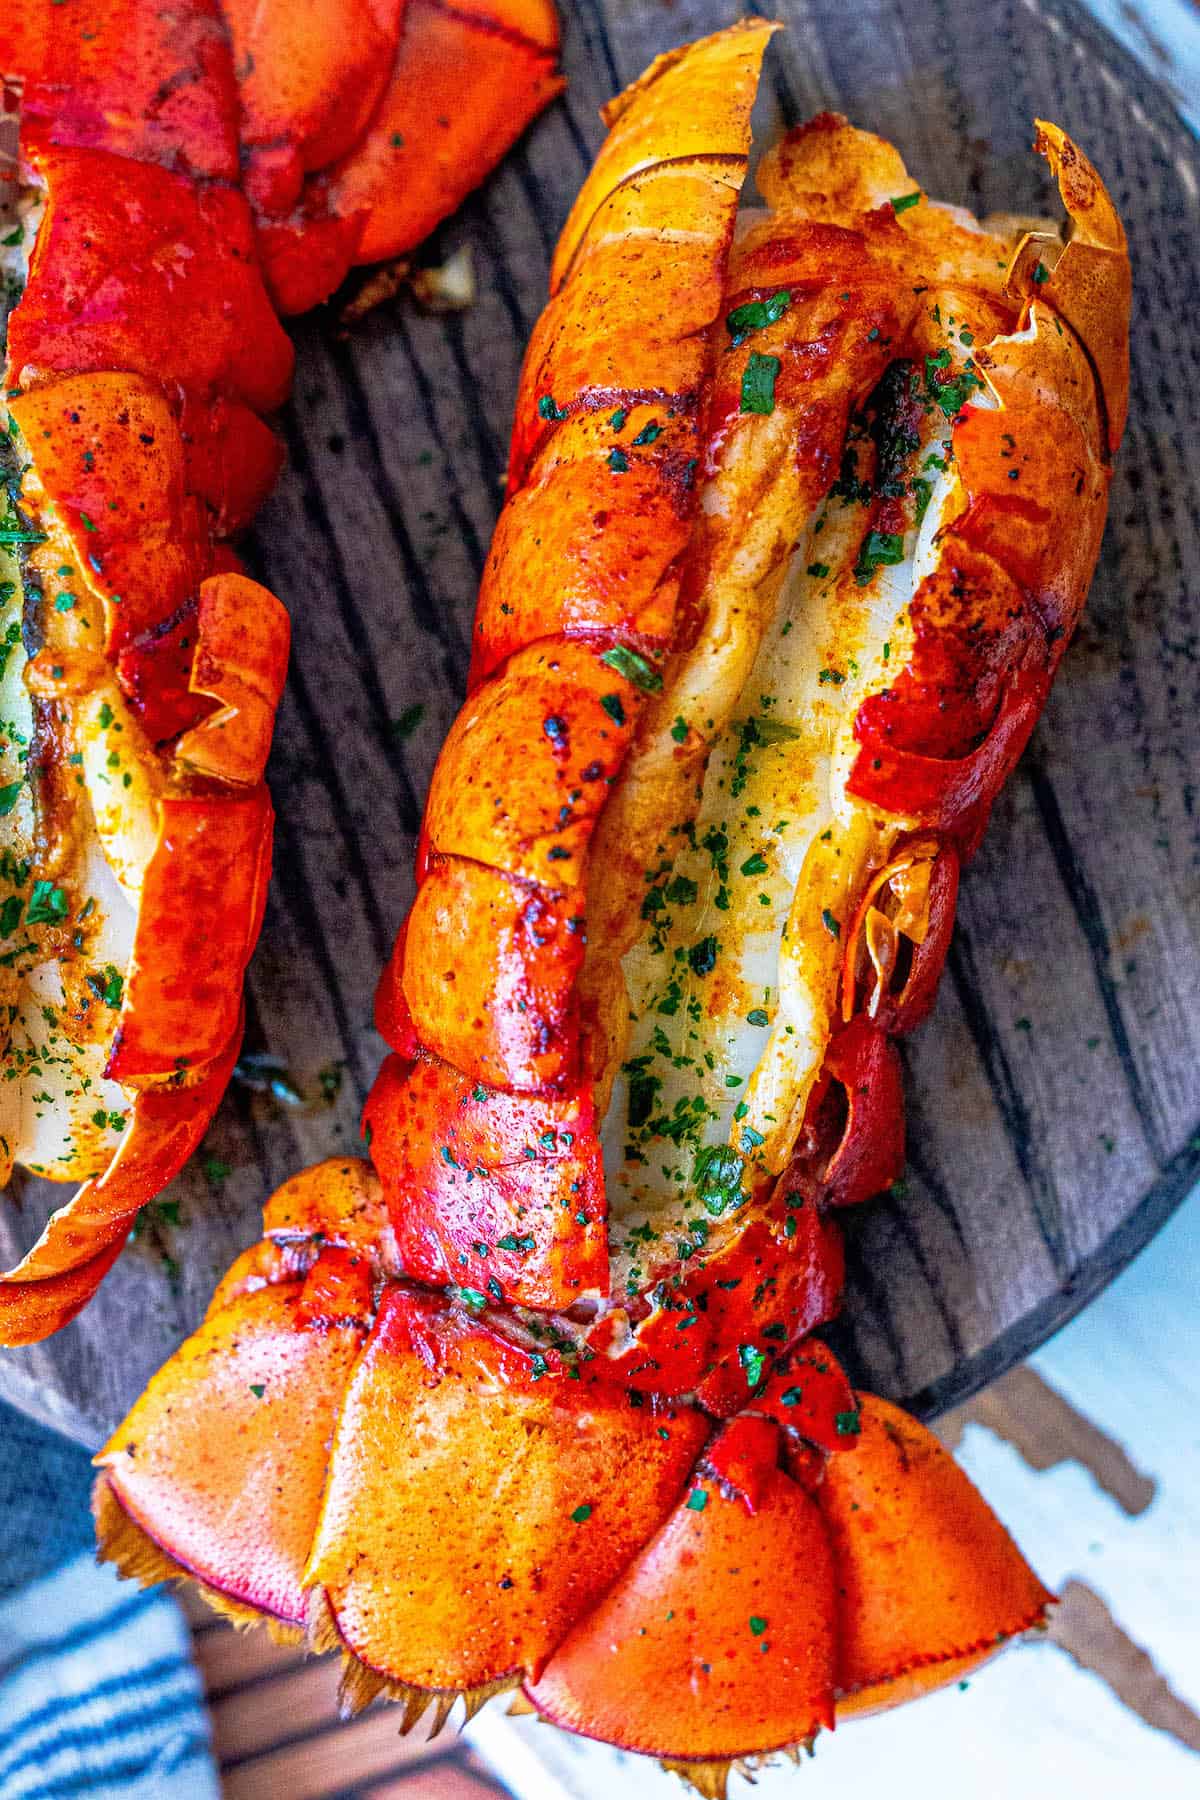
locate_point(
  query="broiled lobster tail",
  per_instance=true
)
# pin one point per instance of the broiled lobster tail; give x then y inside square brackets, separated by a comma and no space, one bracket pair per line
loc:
[799,521]
[142,357]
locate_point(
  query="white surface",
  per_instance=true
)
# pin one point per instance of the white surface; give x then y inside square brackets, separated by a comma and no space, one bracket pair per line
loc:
[1033,1724]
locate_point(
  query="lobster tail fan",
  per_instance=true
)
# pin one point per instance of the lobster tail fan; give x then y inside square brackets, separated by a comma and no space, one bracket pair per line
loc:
[220,1467]
[929,1582]
[717,1643]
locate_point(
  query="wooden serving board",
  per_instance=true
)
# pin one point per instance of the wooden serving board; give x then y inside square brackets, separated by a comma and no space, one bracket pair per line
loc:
[1054,1099]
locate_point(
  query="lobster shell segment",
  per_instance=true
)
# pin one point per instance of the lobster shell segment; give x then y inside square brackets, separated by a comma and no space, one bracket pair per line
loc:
[929,1582]
[457,1504]
[363,133]
[718,1642]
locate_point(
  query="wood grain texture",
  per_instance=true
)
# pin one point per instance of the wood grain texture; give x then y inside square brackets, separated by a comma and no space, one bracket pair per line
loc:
[1055,1095]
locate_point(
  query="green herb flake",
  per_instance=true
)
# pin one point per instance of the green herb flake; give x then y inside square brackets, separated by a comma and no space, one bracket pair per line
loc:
[618,462]
[703,956]
[832,925]
[697,1500]
[9,795]
[717,1175]
[757,1017]
[756,315]
[547,408]
[818,569]
[522,1245]
[758,383]
[1041,273]
[612,706]
[581,1515]
[258,1389]
[902,202]
[403,727]
[757,1624]
[880,549]
[633,667]
[679,731]
[847,1424]
[753,1363]
[47,904]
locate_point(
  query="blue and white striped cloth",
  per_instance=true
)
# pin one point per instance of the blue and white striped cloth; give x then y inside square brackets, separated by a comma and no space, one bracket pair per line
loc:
[98,1693]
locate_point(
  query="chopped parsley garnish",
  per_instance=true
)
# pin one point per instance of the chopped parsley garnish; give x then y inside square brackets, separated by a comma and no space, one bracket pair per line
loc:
[9,795]
[717,1174]
[633,667]
[522,1245]
[612,706]
[679,731]
[757,1625]
[107,986]
[1041,273]
[757,1017]
[879,548]
[618,461]
[950,393]
[681,890]
[830,923]
[548,410]
[753,1363]
[703,956]
[697,1500]
[902,202]
[847,1424]
[923,491]
[581,1515]
[756,315]
[47,904]
[758,383]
